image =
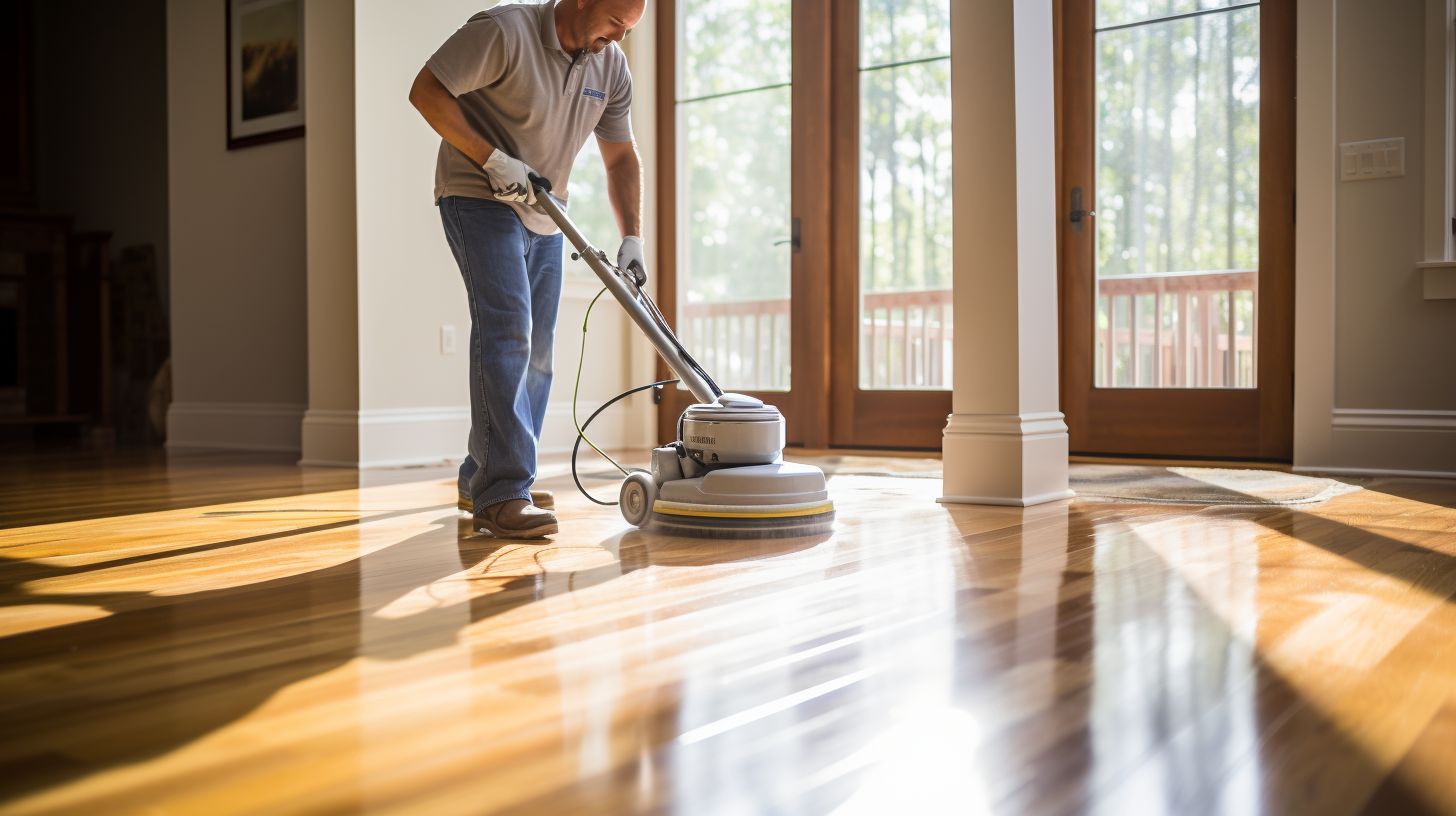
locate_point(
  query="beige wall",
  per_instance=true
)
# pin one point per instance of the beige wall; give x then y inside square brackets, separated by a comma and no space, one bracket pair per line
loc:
[413,400]
[237,257]
[1375,382]
[1384,330]
[408,283]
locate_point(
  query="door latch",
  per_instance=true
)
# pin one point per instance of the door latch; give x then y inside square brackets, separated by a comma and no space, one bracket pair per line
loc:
[793,239]
[1078,215]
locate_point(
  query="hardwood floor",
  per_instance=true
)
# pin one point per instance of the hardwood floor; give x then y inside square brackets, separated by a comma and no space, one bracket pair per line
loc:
[231,633]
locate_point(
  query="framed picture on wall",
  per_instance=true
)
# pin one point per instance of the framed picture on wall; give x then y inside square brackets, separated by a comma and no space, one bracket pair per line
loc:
[264,71]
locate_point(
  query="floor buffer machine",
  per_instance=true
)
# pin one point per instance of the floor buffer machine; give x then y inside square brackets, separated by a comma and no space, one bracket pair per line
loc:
[725,473]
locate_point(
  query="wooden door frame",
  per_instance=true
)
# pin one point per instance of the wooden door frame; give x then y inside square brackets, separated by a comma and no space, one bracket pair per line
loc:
[905,419]
[1233,424]
[825,266]
[806,406]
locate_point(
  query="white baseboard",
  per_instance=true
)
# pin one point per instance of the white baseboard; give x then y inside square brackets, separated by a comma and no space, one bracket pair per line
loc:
[1389,442]
[1355,471]
[404,437]
[421,436]
[621,428]
[330,438]
[386,437]
[1016,460]
[1365,419]
[245,426]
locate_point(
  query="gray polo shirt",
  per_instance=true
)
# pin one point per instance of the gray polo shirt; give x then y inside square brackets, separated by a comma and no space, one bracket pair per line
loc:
[529,98]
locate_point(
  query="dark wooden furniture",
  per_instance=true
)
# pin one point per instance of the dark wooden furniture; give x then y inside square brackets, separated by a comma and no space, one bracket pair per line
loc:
[17,157]
[54,292]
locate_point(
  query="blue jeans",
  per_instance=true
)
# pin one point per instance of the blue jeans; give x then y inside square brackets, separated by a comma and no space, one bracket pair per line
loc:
[513,280]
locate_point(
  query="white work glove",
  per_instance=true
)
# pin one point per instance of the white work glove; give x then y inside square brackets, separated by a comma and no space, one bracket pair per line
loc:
[508,178]
[631,250]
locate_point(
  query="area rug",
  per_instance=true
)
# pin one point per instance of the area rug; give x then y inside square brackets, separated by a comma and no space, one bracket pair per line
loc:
[898,467]
[1147,484]
[1188,485]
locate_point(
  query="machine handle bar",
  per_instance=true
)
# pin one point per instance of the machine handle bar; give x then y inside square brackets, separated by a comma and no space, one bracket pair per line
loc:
[629,294]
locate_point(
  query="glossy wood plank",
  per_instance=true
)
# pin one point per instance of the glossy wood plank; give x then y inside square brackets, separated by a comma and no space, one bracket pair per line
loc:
[237,634]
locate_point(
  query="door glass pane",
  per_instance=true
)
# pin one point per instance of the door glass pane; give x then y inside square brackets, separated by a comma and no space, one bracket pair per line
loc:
[733,186]
[590,207]
[905,195]
[1125,12]
[731,45]
[1178,202]
[892,31]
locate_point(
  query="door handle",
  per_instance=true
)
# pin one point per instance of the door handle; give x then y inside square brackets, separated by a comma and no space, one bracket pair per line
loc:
[793,240]
[1077,214]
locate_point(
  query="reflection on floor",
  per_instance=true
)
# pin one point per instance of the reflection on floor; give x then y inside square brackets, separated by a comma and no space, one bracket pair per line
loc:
[213,633]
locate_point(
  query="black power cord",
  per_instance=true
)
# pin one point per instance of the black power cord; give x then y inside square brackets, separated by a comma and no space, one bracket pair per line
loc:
[582,434]
[637,277]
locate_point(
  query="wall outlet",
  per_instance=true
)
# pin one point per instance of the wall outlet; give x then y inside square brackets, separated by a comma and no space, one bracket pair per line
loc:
[1373,159]
[447,339]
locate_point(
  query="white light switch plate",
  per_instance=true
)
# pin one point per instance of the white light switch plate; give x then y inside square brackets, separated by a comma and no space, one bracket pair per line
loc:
[1372,159]
[447,339]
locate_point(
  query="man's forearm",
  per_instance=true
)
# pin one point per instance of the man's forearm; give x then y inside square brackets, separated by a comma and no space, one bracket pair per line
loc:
[624,189]
[438,106]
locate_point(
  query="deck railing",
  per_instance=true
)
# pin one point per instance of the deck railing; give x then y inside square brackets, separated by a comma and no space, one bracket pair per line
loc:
[1178,330]
[744,344]
[906,338]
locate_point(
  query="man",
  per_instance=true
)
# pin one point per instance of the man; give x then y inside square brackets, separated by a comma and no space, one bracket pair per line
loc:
[518,89]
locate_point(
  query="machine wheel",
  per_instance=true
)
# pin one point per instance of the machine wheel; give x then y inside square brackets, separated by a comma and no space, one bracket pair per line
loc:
[636,499]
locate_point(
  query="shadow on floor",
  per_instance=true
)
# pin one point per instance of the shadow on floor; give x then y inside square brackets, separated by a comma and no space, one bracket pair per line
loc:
[161,671]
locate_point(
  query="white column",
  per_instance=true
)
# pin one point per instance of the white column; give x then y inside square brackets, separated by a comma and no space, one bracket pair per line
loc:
[1006,441]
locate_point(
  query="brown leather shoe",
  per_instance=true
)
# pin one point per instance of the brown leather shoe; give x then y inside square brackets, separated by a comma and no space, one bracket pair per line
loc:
[543,499]
[516,518]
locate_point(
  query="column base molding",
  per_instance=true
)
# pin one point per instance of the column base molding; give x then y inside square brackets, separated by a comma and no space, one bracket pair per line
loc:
[1009,460]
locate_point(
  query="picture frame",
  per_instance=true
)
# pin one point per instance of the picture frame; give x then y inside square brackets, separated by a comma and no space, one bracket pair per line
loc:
[265,64]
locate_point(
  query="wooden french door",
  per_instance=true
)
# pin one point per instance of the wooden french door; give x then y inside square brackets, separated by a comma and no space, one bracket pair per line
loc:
[1176,221]
[893,326]
[802,258]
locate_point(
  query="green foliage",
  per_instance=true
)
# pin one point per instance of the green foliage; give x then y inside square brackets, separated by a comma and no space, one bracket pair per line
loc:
[734,151]
[905,166]
[905,160]
[732,45]
[1123,12]
[1178,144]
[590,209]
[893,31]
[733,197]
